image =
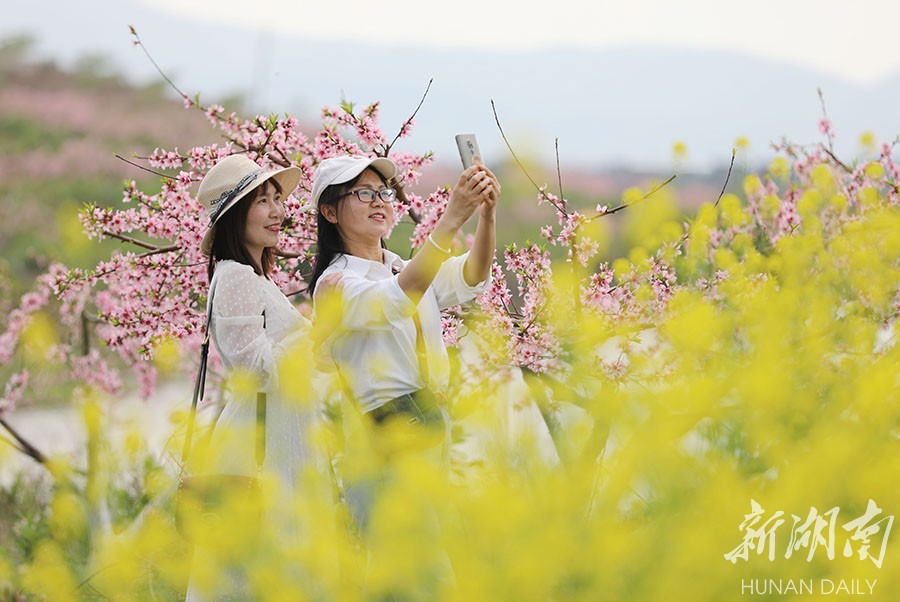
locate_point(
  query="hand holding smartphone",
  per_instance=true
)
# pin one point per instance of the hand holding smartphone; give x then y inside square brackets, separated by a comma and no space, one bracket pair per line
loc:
[468,149]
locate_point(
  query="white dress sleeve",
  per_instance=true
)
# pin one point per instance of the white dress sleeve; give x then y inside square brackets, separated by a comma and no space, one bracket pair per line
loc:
[238,322]
[450,286]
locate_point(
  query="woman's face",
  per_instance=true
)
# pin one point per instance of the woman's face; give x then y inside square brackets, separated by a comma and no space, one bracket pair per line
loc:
[359,221]
[264,218]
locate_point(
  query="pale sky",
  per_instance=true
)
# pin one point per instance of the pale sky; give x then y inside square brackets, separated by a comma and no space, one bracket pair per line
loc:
[856,41]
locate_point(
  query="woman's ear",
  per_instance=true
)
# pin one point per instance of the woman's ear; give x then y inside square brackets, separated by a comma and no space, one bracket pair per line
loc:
[330,212]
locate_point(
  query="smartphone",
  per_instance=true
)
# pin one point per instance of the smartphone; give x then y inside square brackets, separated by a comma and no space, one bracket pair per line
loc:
[468,149]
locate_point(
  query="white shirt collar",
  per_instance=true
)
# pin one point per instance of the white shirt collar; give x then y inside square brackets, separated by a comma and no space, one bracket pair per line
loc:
[389,260]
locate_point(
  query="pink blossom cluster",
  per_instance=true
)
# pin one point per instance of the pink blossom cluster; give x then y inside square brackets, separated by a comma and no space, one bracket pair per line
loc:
[827,129]
[428,211]
[534,344]
[92,370]
[787,219]
[364,125]
[162,159]
[20,317]
[710,286]
[450,323]
[887,159]
[662,280]
[12,392]
[500,325]
[580,248]
[601,294]
[615,370]
[201,158]
[548,197]
[411,166]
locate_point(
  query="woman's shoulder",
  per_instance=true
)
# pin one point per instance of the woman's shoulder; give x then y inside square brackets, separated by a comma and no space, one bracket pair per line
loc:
[230,273]
[229,268]
[340,263]
[228,265]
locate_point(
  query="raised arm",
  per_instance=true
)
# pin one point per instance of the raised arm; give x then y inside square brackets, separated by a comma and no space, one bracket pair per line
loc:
[472,190]
[478,264]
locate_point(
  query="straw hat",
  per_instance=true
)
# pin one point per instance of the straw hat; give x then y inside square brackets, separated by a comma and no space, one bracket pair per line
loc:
[338,170]
[230,180]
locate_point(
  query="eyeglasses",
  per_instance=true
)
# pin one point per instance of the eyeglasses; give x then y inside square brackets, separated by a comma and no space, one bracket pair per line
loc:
[367,195]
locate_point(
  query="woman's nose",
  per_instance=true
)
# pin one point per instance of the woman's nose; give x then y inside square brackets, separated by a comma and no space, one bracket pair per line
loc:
[277,209]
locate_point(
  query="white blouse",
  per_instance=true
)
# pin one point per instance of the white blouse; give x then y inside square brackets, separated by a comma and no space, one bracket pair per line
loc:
[373,350]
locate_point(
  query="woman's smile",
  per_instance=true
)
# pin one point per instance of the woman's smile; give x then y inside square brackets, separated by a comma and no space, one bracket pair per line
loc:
[263,226]
[361,221]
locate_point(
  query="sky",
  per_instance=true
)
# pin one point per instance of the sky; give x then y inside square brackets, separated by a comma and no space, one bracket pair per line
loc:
[855,41]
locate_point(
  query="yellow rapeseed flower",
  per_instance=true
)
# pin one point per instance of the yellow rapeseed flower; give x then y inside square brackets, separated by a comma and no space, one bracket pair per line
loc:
[780,168]
[875,170]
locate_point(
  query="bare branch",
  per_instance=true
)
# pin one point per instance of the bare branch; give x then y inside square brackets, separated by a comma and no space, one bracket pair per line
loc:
[134,241]
[168,249]
[27,448]
[559,208]
[558,171]
[825,115]
[138,42]
[727,177]
[85,333]
[834,158]
[388,148]
[12,444]
[531,322]
[260,150]
[656,188]
[139,166]
[822,102]
[283,162]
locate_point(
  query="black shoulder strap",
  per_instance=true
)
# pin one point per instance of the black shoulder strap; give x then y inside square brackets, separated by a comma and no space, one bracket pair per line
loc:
[199,383]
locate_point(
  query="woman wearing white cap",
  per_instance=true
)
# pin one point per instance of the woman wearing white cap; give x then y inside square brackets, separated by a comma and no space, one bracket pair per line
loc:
[388,350]
[252,323]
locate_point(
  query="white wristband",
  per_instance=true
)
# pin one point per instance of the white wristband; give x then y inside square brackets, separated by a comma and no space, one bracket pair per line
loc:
[437,246]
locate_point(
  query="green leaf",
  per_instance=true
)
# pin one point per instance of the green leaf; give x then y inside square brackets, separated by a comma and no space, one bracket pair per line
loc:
[347,106]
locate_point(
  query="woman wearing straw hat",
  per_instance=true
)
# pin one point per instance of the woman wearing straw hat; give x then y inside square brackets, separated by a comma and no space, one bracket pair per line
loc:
[252,323]
[387,349]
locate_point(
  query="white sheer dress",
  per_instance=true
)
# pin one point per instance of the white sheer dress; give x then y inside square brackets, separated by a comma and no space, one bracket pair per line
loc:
[253,325]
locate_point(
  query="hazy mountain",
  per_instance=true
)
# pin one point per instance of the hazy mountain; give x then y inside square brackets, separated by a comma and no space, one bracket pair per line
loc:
[612,107]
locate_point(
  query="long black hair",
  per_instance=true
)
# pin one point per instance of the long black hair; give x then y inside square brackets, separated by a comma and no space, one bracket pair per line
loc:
[228,241]
[329,243]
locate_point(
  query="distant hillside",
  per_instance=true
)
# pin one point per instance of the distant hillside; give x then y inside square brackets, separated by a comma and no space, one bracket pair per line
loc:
[59,132]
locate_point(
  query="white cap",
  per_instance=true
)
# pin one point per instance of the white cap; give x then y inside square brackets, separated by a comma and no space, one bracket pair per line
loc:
[339,170]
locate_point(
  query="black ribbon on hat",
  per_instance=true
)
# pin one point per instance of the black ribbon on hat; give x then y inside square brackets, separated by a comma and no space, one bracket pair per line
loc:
[218,206]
